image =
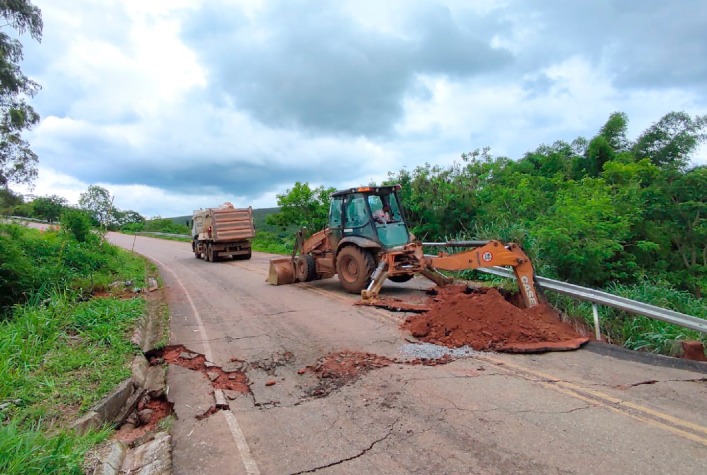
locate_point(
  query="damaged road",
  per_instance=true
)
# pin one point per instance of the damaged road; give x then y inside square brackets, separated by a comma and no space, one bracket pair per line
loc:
[322,386]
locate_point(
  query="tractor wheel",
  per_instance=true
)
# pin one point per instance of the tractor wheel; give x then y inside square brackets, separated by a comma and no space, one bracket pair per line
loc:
[400,278]
[354,266]
[305,268]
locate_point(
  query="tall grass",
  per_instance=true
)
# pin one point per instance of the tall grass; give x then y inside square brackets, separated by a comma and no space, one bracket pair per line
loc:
[62,350]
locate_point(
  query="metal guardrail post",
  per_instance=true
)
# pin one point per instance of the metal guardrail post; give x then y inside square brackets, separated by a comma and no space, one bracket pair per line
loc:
[597,328]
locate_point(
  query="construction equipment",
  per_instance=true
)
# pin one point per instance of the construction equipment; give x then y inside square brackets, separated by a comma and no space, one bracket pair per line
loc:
[225,231]
[368,241]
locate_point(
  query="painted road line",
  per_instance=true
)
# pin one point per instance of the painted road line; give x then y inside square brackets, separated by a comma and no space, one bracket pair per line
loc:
[236,433]
[202,331]
[675,425]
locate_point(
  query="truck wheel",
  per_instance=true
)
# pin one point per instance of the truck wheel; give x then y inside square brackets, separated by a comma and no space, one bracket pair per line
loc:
[197,254]
[209,253]
[354,266]
[305,268]
[400,278]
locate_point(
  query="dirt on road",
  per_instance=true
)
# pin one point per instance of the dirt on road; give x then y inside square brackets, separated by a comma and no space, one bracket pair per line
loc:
[483,319]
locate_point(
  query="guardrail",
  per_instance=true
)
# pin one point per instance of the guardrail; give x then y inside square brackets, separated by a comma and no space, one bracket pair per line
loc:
[597,297]
[164,234]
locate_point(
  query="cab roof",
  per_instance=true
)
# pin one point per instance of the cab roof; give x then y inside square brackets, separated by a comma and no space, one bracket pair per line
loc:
[373,190]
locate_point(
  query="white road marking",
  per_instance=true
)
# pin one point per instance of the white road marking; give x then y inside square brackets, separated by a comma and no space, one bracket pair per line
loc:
[249,463]
[205,341]
[251,467]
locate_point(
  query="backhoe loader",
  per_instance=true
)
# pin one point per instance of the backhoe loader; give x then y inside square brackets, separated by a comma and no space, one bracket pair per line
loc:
[367,241]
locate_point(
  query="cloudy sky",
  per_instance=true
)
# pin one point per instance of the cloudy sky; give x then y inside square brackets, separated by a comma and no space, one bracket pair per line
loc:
[174,105]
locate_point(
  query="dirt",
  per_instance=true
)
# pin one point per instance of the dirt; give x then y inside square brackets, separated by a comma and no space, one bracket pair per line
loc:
[152,411]
[484,320]
[178,355]
[338,369]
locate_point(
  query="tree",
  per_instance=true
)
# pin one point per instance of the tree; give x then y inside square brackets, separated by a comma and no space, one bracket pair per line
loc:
[302,206]
[98,202]
[49,207]
[614,131]
[17,160]
[672,140]
[121,218]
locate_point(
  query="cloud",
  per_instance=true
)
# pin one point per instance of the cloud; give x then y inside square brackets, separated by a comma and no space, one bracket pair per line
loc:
[178,102]
[317,69]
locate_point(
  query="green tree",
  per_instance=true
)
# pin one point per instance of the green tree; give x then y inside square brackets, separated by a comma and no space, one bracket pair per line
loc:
[122,218]
[49,207]
[672,140]
[76,223]
[302,206]
[614,131]
[584,232]
[9,200]
[98,202]
[18,163]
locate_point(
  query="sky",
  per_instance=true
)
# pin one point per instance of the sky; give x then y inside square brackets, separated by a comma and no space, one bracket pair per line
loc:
[175,105]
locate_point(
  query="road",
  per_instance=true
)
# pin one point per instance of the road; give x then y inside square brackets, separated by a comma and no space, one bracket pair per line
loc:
[574,412]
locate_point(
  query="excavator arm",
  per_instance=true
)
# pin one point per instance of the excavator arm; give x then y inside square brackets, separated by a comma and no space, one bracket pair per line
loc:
[493,253]
[486,254]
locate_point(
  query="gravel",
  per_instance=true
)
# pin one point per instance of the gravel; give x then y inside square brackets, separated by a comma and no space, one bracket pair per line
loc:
[432,351]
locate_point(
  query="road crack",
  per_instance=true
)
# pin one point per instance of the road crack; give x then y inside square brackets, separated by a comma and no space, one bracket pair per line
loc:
[353,457]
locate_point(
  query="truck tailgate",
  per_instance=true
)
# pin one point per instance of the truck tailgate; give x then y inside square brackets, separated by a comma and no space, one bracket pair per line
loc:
[232,224]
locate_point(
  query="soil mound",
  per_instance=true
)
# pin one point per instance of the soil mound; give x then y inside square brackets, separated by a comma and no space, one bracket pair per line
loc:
[484,320]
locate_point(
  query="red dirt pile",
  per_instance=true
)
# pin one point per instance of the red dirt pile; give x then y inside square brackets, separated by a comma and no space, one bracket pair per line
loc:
[230,379]
[484,320]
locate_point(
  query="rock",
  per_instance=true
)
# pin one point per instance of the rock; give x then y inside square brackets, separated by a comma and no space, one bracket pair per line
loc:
[212,375]
[185,355]
[233,366]
[693,350]
[230,394]
[270,382]
[145,416]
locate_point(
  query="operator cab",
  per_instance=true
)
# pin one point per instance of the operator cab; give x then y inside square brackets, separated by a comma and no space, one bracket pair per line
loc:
[370,212]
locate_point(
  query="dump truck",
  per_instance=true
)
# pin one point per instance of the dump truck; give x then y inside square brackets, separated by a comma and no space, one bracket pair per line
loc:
[221,232]
[368,241]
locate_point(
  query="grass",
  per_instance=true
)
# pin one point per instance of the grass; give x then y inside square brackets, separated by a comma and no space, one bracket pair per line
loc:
[63,350]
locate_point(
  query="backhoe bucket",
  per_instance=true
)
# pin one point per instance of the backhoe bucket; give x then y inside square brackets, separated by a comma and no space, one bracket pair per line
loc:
[282,271]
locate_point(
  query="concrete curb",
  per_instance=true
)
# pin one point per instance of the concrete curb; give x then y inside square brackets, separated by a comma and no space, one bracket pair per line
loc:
[153,457]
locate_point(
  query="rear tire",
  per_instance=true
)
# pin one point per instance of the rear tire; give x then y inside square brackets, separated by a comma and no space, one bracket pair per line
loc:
[197,254]
[209,253]
[305,268]
[354,267]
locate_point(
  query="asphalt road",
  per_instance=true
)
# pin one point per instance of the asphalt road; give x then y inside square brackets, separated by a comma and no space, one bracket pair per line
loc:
[574,412]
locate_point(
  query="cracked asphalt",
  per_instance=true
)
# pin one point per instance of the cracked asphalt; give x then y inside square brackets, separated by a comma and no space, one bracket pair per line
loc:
[571,412]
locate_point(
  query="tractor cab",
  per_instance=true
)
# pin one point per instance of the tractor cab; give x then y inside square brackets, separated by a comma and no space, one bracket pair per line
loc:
[373,213]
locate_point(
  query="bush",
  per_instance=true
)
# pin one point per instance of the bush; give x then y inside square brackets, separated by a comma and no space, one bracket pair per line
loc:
[76,223]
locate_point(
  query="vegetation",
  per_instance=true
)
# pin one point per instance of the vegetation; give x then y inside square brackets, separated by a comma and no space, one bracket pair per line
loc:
[64,339]
[17,160]
[606,212]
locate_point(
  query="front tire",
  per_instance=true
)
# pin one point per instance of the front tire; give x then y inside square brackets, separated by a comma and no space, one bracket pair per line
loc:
[305,268]
[354,267]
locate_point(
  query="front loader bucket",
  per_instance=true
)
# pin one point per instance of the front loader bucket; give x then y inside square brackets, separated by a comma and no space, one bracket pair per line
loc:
[282,271]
